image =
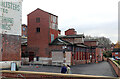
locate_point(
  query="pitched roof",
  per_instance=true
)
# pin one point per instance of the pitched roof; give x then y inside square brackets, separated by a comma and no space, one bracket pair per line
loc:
[73,36]
[58,41]
[91,40]
[43,11]
[116,50]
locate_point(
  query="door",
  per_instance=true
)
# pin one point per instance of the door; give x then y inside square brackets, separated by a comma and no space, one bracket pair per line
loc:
[31,56]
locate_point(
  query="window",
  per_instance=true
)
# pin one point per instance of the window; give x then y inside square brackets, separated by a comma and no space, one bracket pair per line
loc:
[52,37]
[116,52]
[56,28]
[38,20]
[54,19]
[37,29]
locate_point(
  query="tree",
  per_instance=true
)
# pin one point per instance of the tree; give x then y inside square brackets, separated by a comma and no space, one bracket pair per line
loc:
[102,41]
[117,45]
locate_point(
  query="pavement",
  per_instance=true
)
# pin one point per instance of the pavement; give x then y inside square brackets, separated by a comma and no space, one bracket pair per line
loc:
[99,69]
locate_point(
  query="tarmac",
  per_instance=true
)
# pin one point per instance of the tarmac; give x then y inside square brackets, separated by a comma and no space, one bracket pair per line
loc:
[99,69]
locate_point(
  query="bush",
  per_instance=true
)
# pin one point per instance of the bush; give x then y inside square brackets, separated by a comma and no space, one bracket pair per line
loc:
[117,61]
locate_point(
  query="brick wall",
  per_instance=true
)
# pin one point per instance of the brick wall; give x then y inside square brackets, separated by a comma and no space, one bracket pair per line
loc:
[90,43]
[55,32]
[45,75]
[115,66]
[38,41]
[11,45]
[70,32]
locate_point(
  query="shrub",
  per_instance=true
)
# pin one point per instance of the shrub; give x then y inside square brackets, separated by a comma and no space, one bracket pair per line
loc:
[117,61]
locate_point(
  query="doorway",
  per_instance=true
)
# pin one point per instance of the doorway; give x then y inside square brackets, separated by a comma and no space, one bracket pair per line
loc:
[31,56]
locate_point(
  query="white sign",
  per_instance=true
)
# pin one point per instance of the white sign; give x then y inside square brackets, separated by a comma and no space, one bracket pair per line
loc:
[10,17]
[13,66]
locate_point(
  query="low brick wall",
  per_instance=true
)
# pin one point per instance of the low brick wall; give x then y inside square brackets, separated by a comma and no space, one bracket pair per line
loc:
[115,66]
[45,75]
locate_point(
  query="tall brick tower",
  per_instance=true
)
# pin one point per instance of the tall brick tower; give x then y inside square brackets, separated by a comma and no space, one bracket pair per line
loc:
[42,30]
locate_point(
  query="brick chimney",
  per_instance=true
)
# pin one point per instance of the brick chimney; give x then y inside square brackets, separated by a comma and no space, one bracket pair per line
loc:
[70,32]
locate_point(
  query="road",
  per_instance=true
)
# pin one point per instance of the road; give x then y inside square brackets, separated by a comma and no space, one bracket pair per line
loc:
[100,69]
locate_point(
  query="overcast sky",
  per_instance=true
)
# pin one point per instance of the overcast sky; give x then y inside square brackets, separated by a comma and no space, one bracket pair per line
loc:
[91,17]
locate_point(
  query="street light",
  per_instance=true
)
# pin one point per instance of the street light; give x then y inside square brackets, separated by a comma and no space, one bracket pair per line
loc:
[64,48]
[90,58]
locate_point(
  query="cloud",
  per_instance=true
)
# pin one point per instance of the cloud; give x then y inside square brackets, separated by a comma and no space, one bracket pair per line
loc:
[91,17]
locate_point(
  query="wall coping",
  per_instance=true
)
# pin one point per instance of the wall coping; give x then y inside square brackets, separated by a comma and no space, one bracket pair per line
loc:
[58,74]
[115,63]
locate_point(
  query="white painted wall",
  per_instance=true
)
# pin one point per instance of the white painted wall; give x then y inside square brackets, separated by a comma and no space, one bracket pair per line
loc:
[7,64]
[68,58]
[42,60]
[11,18]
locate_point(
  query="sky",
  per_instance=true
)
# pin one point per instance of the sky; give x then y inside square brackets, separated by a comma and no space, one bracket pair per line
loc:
[88,17]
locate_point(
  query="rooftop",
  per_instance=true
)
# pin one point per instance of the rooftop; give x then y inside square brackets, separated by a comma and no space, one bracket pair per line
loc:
[73,36]
[43,11]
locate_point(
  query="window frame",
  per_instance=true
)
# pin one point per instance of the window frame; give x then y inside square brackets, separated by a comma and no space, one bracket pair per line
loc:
[37,19]
[38,29]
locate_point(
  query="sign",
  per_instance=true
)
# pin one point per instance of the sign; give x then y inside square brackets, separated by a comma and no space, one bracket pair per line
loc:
[13,66]
[10,17]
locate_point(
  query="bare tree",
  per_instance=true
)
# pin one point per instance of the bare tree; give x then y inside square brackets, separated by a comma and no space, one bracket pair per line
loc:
[102,41]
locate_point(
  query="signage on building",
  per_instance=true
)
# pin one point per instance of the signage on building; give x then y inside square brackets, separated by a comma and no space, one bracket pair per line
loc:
[10,17]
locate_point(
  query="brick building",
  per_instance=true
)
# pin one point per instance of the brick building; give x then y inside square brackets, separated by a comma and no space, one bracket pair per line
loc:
[116,53]
[69,45]
[97,51]
[74,49]
[42,30]
[10,34]
[45,45]
[70,32]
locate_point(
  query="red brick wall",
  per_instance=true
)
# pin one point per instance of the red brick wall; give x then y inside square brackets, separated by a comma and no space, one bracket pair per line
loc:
[115,66]
[11,45]
[99,55]
[55,47]
[24,48]
[55,32]
[116,55]
[90,43]
[70,32]
[38,42]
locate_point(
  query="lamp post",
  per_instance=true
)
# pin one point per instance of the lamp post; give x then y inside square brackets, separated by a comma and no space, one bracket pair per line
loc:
[64,60]
[90,58]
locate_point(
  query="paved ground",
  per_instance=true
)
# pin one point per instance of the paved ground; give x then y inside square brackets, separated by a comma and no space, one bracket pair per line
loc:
[101,69]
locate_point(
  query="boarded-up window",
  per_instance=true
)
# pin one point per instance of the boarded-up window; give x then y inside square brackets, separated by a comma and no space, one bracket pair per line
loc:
[57,56]
[38,20]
